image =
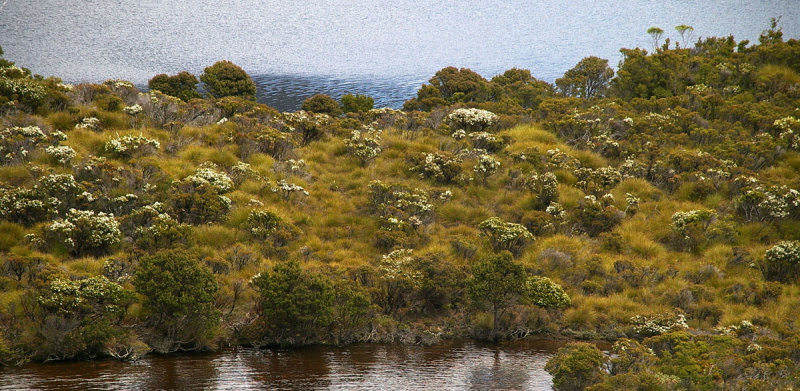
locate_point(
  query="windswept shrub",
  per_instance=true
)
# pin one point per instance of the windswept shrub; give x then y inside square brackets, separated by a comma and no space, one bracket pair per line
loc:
[544,188]
[266,225]
[485,167]
[438,166]
[689,228]
[597,216]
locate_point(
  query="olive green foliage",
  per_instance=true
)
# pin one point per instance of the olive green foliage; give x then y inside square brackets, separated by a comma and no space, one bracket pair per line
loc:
[545,293]
[323,104]
[576,366]
[587,79]
[666,210]
[225,78]
[182,86]
[497,282]
[178,293]
[295,306]
[357,103]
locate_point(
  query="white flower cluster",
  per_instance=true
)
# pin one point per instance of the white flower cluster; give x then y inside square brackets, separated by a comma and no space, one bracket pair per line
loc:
[439,167]
[789,127]
[127,146]
[632,203]
[658,324]
[786,252]
[85,230]
[486,140]
[398,264]
[207,175]
[556,210]
[91,123]
[16,143]
[744,327]
[599,180]
[60,185]
[486,166]
[459,134]
[133,110]
[681,220]
[62,153]
[504,235]
[472,118]
[557,159]
[287,189]
[761,204]
[364,145]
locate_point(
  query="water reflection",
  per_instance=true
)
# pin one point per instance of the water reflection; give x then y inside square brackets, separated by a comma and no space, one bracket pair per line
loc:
[460,365]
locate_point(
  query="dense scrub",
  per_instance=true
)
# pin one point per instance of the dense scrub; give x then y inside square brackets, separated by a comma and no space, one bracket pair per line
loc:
[659,208]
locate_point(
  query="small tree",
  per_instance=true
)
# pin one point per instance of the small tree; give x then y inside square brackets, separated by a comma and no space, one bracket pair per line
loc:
[588,79]
[497,282]
[655,34]
[225,78]
[182,86]
[686,33]
[576,366]
[357,103]
[179,294]
[322,104]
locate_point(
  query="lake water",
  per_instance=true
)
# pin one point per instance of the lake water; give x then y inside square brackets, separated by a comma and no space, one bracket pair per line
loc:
[294,49]
[457,365]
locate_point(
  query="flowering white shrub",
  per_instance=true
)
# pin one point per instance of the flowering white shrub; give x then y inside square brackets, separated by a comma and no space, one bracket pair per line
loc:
[543,186]
[26,206]
[85,232]
[62,153]
[486,166]
[407,206]
[286,189]
[556,210]
[789,128]
[459,134]
[220,181]
[364,145]
[16,143]
[438,167]
[128,146]
[774,203]
[262,223]
[91,123]
[486,140]
[597,181]
[505,236]
[133,110]
[651,325]
[399,265]
[632,203]
[473,119]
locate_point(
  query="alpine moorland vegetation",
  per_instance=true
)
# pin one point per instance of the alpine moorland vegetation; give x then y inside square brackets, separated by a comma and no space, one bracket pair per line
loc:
[656,207]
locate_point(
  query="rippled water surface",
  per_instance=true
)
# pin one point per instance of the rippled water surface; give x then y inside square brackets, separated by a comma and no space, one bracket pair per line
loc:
[294,49]
[454,366]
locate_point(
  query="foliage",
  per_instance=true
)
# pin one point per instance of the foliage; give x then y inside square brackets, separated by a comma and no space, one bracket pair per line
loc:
[587,79]
[182,86]
[504,235]
[178,296]
[322,104]
[225,78]
[545,293]
[497,282]
[294,306]
[84,232]
[782,262]
[357,103]
[576,366]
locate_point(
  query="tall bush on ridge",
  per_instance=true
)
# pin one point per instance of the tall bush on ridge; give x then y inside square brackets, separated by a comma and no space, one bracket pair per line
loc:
[183,85]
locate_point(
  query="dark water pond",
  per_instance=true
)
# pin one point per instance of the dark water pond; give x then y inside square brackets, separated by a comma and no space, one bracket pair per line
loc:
[385,49]
[460,365]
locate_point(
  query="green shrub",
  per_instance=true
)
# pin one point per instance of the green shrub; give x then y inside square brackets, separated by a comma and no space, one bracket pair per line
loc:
[322,104]
[178,293]
[182,86]
[782,262]
[295,307]
[225,78]
[356,103]
[576,366]
[497,282]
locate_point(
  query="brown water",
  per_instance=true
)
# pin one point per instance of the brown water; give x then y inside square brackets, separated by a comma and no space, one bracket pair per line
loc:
[461,365]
